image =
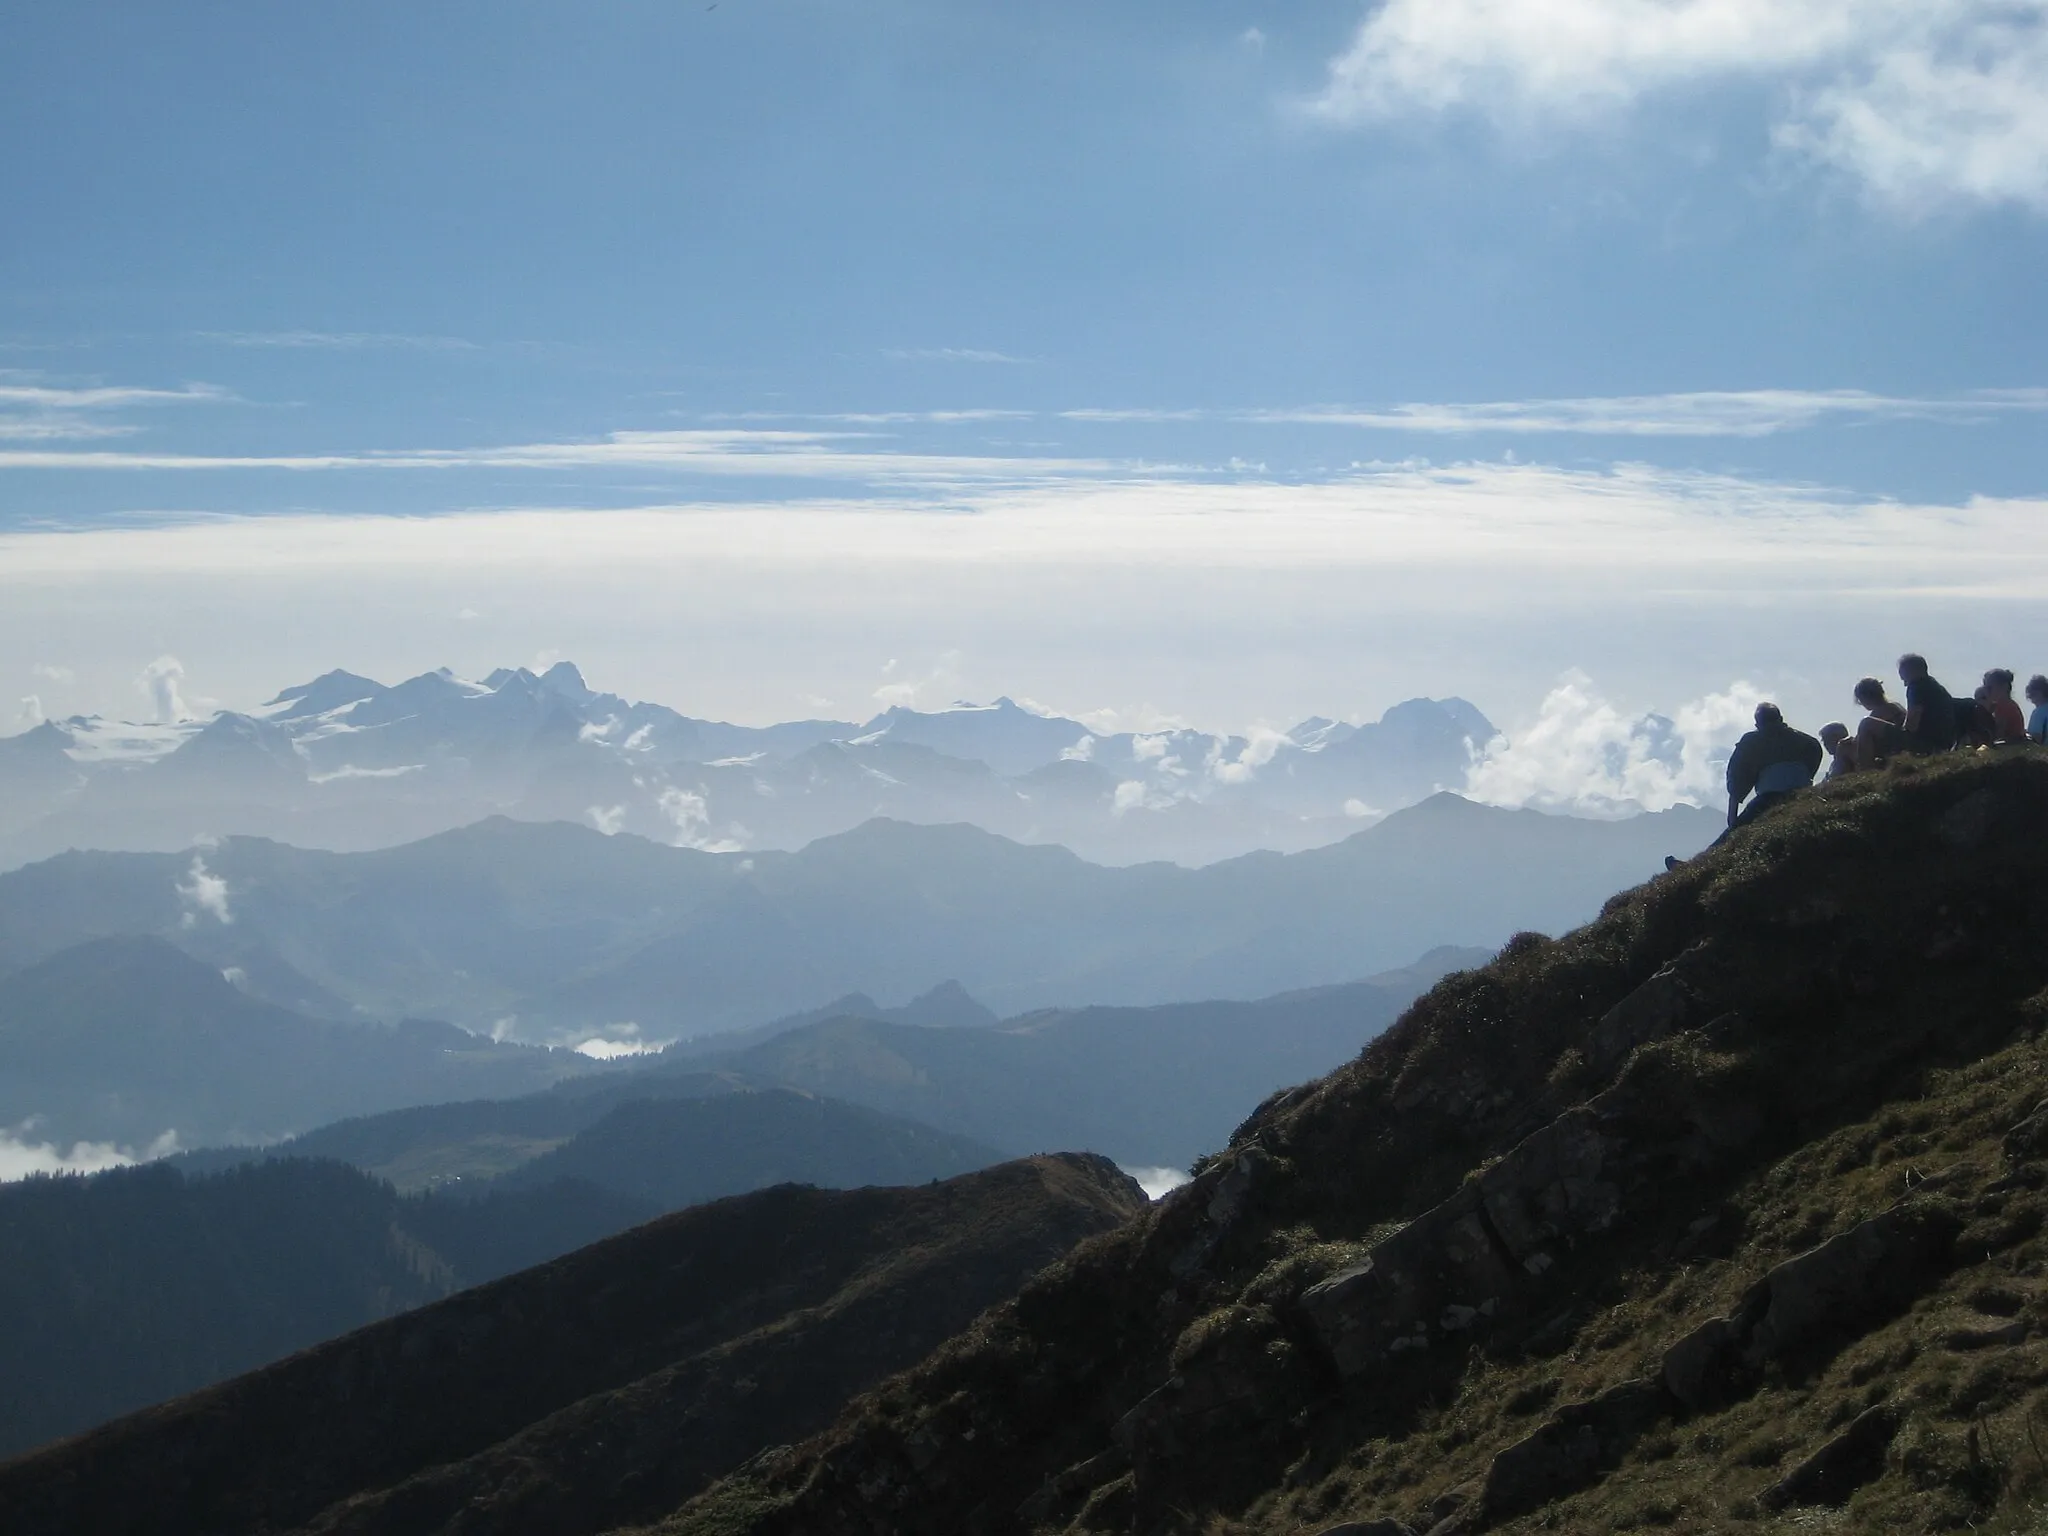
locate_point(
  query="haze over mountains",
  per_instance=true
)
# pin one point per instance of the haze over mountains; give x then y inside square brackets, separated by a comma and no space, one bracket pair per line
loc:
[555,933]
[347,763]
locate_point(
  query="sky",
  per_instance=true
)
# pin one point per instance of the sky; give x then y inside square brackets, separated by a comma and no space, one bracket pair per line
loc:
[1217,360]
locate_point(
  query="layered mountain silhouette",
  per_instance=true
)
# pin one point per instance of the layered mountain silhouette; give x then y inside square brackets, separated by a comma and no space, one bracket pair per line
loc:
[140,1283]
[1720,1212]
[554,933]
[598,1389]
[1146,1086]
[345,762]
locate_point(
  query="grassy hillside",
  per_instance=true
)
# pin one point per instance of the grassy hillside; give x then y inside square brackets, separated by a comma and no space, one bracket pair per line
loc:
[1722,1213]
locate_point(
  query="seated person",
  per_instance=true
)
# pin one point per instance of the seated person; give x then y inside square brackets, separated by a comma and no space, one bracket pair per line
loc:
[1882,735]
[1974,725]
[1930,708]
[2007,724]
[2037,722]
[1774,761]
[1840,748]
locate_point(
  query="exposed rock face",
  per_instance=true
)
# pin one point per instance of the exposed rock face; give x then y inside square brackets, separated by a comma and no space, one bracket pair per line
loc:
[1847,1462]
[1635,1122]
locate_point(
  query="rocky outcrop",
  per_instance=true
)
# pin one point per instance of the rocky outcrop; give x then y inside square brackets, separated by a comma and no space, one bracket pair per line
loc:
[1847,1462]
[1823,1297]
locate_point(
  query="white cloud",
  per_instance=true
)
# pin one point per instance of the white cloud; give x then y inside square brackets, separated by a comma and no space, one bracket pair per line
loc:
[608,819]
[1701,413]
[159,682]
[203,893]
[689,814]
[101,396]
[1922,101]
[1157,1182]
[54,674]
[340,341]
[949,355]
[20,1158]
[31,710]
[756,453]
[1358,810]
[1262,744]
[1584,756]
[1082,751]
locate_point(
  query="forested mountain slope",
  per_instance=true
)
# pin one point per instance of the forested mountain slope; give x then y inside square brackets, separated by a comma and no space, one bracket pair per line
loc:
[602,1387]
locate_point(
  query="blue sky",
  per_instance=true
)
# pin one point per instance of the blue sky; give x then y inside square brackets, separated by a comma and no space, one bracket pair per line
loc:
[1092,276]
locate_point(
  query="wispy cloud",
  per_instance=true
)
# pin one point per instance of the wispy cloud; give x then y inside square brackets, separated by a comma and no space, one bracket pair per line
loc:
[1921,101]
[1695,413]
[338,341]
[103,396]
[774,454]
[949,355]
[1701,413]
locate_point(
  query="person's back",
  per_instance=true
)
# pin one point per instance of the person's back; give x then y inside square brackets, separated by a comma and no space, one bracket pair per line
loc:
[1931,721]
[1772,761]
[2037,722]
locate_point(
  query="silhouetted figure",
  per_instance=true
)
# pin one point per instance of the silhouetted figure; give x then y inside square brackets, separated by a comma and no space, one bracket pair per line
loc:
[2008,725]
[1882,734]
[1772,762]
[1840,747]
[1930,708]
[2037,722]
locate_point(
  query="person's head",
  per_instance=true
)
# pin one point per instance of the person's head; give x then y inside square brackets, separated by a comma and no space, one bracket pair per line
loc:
[1769,717]
[1999,681]
[1833,734]
[1870,693]
[2037,689]
[1912,667]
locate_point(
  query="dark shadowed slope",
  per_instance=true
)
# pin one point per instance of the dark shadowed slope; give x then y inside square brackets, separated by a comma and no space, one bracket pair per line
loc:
[597,1389]
[1726,1207]
[136,1285]
[675,1152]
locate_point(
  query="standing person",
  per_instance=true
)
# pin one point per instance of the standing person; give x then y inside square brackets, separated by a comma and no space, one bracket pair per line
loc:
[1930,708]
[2037,722]
[1882,733]
[1774,761]
[2007,723]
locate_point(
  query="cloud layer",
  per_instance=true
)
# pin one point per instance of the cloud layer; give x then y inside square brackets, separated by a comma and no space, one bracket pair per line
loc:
[1921,101]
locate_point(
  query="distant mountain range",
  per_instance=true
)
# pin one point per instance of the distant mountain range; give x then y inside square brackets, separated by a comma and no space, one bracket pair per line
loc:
[552,933]
[347,763]
[941,1080]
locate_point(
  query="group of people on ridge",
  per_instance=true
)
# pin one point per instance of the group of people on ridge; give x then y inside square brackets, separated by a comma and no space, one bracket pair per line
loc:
[1773,762]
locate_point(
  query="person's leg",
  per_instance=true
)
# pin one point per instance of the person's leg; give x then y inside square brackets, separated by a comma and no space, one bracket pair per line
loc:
[1759,806]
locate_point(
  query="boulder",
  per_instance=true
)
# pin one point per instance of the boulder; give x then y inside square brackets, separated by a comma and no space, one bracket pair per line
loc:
[1848,1461]
[1571,1449]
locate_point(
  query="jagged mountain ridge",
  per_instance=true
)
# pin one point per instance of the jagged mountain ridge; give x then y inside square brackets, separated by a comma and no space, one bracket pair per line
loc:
[1545,1255]
[549,932]
[347,763]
